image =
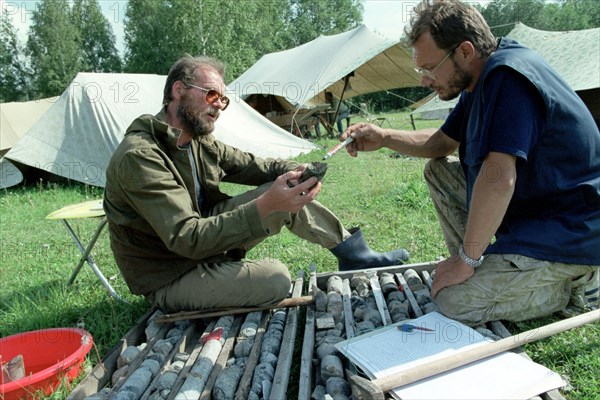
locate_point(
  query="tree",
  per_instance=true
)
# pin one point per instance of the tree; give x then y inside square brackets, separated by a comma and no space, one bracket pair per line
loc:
[310,18]
[240,41]
[12,72]
[97,41]
[147,25]
[502,14]
[570,15]
[539,14]
[218,28]
[158,32]
[53,46]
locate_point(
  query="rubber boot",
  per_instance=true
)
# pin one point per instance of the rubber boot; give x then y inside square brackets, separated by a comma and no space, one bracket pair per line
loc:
[354,253]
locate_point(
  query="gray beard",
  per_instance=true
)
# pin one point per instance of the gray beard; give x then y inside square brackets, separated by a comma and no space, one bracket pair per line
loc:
[192,119]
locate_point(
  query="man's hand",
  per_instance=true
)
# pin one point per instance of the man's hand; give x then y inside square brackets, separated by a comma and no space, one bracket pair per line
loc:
[367,137]
[451,271]
[301,168]
[281,197]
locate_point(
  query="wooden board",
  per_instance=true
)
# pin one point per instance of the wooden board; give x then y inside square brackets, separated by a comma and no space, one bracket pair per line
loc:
[87,209]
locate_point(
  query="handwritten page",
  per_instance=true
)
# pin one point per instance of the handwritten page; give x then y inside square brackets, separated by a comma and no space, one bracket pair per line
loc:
[388,350]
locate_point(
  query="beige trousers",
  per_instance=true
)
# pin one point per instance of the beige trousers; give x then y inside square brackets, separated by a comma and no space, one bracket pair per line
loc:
[506,286]
[247,283]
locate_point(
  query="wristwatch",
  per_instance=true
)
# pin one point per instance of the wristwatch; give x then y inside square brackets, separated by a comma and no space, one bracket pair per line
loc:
[468,260]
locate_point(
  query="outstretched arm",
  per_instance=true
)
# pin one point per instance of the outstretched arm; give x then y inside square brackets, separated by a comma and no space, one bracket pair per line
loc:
[427,143]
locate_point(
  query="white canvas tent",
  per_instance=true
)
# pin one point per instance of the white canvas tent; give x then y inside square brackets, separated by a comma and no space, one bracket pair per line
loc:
[434,108]
[15,119]
[581,68]
[301,75]
[76,137]
[575,55]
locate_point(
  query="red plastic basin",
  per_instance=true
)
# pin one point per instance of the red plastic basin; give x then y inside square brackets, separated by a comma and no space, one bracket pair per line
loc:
[49,355]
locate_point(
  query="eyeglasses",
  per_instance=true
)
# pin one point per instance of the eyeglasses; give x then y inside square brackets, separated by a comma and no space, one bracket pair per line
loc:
[430,74]
[212,95]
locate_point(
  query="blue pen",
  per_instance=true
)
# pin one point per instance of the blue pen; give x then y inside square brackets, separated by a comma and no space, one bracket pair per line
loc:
[410,328]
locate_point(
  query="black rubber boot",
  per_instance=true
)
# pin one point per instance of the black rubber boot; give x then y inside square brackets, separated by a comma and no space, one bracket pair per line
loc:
[354,253]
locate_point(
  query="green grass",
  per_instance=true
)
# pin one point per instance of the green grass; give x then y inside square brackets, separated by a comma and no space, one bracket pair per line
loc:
[383,194]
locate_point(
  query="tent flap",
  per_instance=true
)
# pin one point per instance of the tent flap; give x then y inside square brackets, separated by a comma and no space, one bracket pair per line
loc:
[301,74]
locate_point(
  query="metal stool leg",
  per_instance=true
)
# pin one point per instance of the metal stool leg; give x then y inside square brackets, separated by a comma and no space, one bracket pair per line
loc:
[87,257]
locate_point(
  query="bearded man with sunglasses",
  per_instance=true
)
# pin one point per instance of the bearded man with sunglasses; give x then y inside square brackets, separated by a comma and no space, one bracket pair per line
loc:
[178,239]
[520,206]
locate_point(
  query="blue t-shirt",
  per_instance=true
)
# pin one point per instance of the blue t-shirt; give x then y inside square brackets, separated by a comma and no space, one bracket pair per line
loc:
[554,213]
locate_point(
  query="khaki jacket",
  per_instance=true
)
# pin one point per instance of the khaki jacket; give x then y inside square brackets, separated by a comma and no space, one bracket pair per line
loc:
[157,229]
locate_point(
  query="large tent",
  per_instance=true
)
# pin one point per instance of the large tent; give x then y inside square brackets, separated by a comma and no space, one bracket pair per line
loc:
[575,56]
[17,117]
[15,120]
[431,107]
[367,61]
[76,137]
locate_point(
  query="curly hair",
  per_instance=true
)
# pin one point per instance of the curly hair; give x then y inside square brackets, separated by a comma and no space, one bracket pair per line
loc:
[451,22]
[185,70]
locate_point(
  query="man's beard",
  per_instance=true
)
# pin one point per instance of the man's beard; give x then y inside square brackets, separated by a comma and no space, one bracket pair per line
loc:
[193,119]
[456,85]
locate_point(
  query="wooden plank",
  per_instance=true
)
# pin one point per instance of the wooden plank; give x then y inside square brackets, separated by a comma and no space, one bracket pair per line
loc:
[469,355]
[409,295]
[179,347]
[246,380]
[286,352]
[222,359]
[386,319]
[101,374]
[347,304]
[308,344]
[285,303]
[183,374]
[427,279]
[142,355]
[499,329]
[322,278]
[349,322]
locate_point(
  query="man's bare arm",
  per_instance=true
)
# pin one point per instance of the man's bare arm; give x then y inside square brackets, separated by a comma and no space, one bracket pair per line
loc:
[427,143]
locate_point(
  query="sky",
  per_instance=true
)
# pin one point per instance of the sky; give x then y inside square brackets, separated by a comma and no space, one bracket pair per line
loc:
[386,17]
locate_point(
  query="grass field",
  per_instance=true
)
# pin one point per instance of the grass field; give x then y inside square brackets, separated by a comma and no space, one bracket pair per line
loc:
[383,194]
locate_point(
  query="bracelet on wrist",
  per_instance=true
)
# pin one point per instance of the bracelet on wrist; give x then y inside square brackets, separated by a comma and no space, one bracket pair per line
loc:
[468,260]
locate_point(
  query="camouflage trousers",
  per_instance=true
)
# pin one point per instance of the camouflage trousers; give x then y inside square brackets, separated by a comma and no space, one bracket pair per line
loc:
[506,286]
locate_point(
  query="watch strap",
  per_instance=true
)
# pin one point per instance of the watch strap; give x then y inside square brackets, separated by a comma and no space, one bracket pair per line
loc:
[468,260]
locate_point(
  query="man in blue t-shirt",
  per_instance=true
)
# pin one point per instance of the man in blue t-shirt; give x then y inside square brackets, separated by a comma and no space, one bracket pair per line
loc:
[520,206]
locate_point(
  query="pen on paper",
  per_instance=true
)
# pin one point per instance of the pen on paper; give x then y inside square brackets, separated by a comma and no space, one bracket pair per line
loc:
[410,328]
[338,147]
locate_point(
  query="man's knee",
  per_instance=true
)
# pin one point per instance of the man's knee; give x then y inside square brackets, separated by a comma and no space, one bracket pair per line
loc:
[454,304]
[450,303]
[281,281]
[274,280]
[441,167]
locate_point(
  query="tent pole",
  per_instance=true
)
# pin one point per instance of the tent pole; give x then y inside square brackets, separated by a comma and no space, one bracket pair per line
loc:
[335,115]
